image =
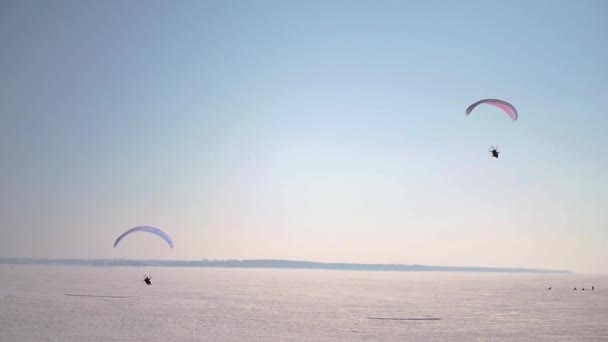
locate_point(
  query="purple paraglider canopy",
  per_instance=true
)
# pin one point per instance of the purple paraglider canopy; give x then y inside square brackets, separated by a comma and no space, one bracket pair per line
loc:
[148,229]
[504,105]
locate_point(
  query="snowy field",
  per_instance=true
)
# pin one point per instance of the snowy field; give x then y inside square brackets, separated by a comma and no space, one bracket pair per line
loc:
[59,303]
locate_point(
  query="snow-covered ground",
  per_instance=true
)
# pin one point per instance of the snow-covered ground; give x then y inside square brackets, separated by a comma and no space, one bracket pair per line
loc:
[62,303]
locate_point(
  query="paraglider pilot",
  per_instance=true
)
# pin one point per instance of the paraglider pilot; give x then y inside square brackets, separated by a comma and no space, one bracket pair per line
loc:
[494,151]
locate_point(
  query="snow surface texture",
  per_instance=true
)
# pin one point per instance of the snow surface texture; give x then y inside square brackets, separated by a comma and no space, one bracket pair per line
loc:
[59,303]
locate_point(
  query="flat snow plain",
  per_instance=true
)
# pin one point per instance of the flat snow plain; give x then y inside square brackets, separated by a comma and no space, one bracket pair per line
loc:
[70,303]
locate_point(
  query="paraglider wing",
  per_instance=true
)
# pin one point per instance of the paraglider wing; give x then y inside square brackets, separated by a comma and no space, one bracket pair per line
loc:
[504,105]
[148,229]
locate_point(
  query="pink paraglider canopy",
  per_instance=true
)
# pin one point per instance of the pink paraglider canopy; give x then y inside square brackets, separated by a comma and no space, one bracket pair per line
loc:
[504,105]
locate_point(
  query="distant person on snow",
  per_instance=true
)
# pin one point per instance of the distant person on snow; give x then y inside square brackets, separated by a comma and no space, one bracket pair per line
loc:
[148,280]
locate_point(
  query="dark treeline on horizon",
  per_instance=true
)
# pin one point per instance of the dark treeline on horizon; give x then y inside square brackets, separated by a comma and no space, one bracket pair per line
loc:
[268,263]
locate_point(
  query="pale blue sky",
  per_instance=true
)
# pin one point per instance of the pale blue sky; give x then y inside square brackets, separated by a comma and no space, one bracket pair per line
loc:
[318,130]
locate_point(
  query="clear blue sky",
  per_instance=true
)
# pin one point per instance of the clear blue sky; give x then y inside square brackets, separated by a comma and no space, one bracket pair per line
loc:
[319,130]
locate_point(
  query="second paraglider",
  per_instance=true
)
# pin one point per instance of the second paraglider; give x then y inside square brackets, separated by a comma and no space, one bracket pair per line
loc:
[508,108]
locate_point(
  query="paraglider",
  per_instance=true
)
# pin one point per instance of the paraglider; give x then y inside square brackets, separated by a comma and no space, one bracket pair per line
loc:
[148,229]
[504,105]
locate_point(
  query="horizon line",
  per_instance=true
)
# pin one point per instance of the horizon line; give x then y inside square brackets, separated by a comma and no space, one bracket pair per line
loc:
[269,263]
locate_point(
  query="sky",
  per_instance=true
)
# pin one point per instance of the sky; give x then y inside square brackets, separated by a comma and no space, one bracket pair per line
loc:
[306,130]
